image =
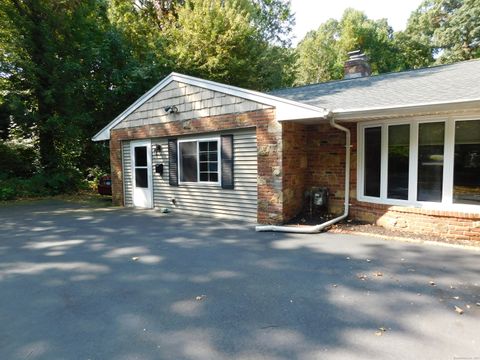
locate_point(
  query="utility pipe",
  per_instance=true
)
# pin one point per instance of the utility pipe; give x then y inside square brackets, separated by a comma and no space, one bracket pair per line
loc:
[317,228]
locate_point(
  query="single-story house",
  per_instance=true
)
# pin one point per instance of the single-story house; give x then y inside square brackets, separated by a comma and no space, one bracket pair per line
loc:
[399,149]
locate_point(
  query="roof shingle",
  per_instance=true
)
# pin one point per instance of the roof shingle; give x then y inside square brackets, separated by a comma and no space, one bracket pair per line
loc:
[438,84]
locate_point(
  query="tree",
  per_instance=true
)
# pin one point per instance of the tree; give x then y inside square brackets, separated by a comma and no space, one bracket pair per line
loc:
[219,40]
[449,29]
[322,53]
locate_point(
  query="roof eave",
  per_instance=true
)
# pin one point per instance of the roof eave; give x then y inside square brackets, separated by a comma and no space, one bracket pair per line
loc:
[405,110]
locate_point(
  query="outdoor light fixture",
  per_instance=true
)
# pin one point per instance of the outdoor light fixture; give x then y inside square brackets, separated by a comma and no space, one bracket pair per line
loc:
[171,109]
[158,148]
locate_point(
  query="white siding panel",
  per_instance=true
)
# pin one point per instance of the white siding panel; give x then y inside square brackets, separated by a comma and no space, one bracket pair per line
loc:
[127,173]
[239,203]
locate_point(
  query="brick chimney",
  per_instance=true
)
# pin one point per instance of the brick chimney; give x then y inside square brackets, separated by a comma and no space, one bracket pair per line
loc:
[357,65]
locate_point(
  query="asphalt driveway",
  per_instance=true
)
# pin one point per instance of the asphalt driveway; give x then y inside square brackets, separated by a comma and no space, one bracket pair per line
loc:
[84,283]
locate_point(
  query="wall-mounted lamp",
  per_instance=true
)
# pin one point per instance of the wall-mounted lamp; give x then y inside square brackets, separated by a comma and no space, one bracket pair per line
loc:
[158,149]
[171,109]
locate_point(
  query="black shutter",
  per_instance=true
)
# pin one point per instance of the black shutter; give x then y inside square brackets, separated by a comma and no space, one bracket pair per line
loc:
[227,162]
[172,162]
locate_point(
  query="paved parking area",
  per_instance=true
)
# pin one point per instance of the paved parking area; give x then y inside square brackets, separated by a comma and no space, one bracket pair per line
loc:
[84,283]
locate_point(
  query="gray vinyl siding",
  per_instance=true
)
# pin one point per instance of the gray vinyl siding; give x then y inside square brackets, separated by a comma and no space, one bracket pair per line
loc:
[127,173]
[240,203]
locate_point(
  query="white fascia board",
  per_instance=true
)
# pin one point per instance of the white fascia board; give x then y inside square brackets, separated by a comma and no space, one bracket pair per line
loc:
[404,110]
[285,109]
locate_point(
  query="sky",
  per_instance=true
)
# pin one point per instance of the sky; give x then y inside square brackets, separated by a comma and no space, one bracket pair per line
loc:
[309,14]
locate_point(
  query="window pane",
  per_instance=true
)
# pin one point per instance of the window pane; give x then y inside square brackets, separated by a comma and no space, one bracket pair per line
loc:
[430,161]
[373,140]
[141,178]
[208,161]
[212,146]
[203,146]
[398,161]
[466,175]
[141,156]
[213,166]
[212,156]
[188,161]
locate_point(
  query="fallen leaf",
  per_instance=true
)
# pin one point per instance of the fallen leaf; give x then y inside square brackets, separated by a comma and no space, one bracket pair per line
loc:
[368,260]
[362,277]
[478,304]
[200,297]
[468,306]
[432,283]
[380,331]
[378,273]
[456,297]
[348,258]
[135,258]
[334,285]
[458,310]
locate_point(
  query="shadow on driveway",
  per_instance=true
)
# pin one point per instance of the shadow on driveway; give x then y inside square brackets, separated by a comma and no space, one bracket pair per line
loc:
[85,283]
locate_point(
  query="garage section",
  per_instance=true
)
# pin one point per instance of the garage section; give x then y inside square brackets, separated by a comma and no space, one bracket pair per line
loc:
[203,198]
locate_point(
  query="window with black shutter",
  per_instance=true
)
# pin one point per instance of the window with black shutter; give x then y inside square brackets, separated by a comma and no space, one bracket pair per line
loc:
[206,161]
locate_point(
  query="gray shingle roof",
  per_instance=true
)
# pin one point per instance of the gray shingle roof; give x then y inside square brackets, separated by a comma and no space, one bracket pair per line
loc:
[438,84]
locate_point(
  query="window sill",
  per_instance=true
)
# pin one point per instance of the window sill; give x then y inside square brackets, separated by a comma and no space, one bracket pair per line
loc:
[199,184]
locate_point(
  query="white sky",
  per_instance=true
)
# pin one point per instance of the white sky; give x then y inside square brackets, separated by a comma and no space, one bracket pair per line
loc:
[309,14]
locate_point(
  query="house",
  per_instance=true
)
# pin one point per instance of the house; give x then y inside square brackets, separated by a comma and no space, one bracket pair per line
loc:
[404,148]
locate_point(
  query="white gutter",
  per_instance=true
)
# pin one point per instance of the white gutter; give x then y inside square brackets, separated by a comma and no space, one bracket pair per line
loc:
[317,228]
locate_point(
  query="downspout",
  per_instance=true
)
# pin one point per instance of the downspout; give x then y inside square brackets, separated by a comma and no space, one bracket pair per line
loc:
[317,228]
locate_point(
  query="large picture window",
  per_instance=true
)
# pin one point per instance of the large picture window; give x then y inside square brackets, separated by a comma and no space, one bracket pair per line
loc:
[417,162]
[198,161]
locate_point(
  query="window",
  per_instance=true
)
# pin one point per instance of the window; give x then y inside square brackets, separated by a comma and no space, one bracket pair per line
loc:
[198,161]
[430,161]
[420,162]
[373,138]
[466,172]
[141,169]
[398,161]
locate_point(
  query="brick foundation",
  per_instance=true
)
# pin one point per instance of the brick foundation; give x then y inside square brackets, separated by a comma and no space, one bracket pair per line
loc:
[269,157]
[325,155]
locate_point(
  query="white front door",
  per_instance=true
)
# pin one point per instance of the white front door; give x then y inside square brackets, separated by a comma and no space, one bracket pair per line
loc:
[142,173]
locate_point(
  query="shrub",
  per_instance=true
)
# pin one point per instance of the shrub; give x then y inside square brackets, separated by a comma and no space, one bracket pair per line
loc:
[17,159]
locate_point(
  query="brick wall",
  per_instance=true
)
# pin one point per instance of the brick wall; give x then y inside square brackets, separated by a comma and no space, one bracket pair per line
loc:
[294,168]
[326,167]
[269,159]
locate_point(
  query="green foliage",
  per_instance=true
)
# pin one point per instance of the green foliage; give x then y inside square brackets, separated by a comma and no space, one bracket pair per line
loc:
[449,29]
[225,41]
[322,53]
[63,181]
[17,159]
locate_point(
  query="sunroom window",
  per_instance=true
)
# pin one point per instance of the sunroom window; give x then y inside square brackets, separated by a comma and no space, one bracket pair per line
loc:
[466,173]
[417,162]
[398,161]
[198,161]
[430,161]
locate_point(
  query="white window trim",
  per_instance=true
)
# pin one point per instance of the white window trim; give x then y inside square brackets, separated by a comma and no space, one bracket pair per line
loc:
[448,164]
[198,182]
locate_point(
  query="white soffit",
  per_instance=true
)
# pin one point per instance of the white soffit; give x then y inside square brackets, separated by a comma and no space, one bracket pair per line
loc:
[284,109]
